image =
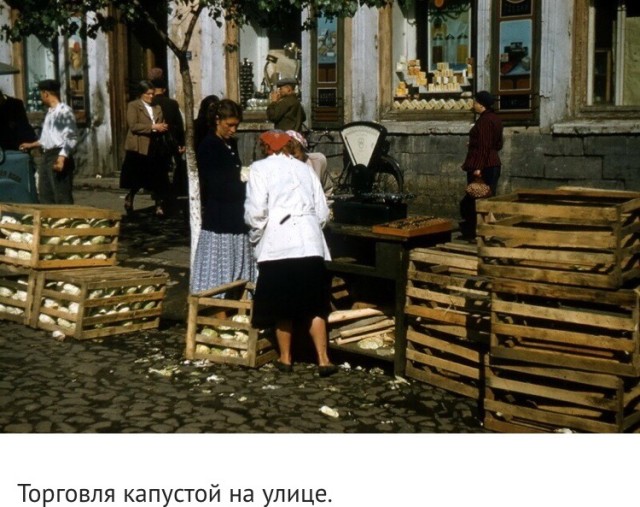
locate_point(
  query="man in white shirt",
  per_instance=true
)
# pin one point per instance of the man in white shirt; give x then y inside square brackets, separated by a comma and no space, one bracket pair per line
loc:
[58,140]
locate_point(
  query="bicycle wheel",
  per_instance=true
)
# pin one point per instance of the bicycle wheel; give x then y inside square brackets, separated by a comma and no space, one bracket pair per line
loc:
[388,176]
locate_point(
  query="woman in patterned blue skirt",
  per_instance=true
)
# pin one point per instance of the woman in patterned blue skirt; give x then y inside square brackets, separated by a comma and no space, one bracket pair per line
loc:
[223,254]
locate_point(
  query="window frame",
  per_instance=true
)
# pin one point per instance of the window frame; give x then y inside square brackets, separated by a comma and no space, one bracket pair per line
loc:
[530,116]
[330,116]
[583,70]
[387,66]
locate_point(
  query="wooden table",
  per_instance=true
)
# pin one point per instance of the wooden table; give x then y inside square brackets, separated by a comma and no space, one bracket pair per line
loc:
[358,251]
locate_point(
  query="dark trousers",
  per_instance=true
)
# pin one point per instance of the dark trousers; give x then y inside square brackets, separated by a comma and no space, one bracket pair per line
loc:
[55,187]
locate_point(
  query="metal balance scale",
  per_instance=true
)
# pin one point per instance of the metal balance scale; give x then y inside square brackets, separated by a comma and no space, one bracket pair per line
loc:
[370,187]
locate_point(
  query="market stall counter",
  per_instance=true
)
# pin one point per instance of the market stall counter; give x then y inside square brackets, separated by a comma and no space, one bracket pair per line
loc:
[374,261]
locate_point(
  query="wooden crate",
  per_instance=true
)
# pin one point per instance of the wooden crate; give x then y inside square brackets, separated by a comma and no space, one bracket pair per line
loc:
[524,397]
[584,329]
[58,236]
[219,327]
[447,308]
[444,291]
[442,361]
[17,286]
[88,303]
[579,237]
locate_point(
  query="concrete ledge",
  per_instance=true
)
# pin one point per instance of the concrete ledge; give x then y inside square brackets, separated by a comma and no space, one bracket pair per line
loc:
[428,127]
[596,127]
[106,183]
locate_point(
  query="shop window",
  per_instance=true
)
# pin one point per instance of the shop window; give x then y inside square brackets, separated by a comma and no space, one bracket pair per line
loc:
[40,63]
[515,57]
[327,53]
[77,86]
[613,53]
[433,48]
[269,49]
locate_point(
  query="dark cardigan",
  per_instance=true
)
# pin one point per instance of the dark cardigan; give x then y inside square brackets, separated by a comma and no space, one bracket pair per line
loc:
[222,191]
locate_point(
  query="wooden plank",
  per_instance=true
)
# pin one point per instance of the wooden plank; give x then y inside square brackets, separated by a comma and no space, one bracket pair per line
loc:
[442,364]
[545,275]
[448,259]
[494,424]
[481,285]
[448,384]
[550,255]
[622,297]
[588,399]
[385,324]
[545,210]
[344,315]
[565,315]
[450,316]
[529,236]
[566,361]
[577,339]
[471,354]
[561,374]
[558,421]
[430,296]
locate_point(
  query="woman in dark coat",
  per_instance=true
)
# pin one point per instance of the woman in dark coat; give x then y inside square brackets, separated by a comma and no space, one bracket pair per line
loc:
[223,253]
[146,163]
[483,159]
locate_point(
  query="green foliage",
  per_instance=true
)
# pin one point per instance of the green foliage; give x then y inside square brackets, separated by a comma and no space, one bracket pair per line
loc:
[47,19]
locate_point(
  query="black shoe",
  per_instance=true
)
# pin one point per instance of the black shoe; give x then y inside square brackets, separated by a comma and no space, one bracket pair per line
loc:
[326,371]
[282,367]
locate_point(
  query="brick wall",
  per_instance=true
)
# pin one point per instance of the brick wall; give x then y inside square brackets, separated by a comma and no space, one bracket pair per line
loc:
[531,159]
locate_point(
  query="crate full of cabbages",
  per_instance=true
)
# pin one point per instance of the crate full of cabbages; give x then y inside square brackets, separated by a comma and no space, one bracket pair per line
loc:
[16,293]
[58,236]
[219,327]
[90,303]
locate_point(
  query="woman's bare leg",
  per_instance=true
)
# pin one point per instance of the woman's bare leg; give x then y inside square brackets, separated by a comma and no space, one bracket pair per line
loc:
[318,332]
[284,331]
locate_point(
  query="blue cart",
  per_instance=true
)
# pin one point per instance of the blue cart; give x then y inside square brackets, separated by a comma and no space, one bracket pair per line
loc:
[17,177]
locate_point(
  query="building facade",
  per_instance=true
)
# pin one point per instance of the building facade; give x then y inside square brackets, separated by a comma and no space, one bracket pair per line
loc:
[564,75]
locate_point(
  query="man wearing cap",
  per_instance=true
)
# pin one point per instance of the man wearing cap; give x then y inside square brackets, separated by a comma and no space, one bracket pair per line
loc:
[285,110]
[483,160]
[58,139]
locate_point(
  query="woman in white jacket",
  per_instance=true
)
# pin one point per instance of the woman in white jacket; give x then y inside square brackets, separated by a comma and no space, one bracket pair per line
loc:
[286,209]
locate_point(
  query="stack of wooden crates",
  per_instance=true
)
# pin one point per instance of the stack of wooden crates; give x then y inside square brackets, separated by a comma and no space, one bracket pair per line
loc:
[58,273]
[564,351]
[559,270]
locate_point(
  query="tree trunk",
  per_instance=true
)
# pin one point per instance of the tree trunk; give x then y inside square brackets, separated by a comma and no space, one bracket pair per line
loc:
[195,214]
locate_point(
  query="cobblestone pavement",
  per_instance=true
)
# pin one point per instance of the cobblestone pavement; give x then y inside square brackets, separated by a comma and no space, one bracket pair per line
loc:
[141,382]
